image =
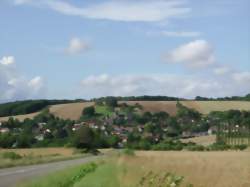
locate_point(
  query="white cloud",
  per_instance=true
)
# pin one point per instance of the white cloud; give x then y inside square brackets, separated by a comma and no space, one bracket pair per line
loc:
[7,60]
[242,77]
[143,10]
[77,46]
[172,85]
[174,33]
[196,54]
[14,86]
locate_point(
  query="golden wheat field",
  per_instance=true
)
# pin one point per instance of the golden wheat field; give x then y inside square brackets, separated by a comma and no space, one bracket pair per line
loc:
[202,169]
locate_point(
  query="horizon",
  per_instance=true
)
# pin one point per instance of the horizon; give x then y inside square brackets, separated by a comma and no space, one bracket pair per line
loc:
[91,49]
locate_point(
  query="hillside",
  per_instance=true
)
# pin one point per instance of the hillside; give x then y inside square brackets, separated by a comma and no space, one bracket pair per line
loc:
[73,110]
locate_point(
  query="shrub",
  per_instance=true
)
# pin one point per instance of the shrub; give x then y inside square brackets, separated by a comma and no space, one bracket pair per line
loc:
[89,111]
[11,155]
[195,148]
[219,147]
[240,147]
[164,179]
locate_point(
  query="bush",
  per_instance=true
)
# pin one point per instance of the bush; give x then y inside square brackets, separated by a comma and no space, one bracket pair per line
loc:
[240,147]
[11,155]
[168,146]
[89,111]
[163,179]
[219,147]
[196,148]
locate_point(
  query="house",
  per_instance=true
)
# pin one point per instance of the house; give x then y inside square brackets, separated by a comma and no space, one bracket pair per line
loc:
[212,130]
[39,137]
[41,125]
[4,130]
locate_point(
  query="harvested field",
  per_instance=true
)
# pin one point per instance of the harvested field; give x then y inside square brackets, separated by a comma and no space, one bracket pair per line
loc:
[205,107]
[207,169]
[71,111]
[20,117]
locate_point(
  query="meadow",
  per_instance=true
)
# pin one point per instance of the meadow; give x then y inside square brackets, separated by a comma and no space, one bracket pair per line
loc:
[148,168]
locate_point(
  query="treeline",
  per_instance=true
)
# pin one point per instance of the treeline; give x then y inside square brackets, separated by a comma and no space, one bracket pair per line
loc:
[167,98]
[29,106]
[233,98]
[140,98]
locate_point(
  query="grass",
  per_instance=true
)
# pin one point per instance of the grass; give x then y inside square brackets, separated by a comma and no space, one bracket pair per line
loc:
[20,157]
[64,178]
[105,175]
[103,110]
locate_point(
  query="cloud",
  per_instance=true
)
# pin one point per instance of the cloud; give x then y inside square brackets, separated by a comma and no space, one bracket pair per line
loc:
[221,70]
[14,86]
[187,86]
[77,46]
[7,60]
[242,77]
[129,11]
[196,54]
[174,33]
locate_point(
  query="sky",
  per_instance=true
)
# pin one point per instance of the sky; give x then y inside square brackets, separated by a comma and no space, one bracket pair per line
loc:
[57,49]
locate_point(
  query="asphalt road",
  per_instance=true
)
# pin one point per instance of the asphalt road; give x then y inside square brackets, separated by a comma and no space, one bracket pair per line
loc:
[10,177]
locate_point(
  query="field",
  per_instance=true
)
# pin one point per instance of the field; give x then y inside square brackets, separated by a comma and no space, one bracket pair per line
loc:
[21,117]
[205,107]
[206,169]
[36,156]
[73,110]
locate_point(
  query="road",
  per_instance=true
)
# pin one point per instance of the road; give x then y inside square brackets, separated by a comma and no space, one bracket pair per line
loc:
[10,177]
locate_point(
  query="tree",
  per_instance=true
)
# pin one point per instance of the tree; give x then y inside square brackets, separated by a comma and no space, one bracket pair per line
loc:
[111,102]
[84,138]
[89,111]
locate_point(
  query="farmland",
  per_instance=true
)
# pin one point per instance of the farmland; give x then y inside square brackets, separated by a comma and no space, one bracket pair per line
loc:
[71,111]
[217,169]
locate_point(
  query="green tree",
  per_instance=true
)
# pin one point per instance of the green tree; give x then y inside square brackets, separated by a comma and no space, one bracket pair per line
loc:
[89,111]
[111,102]
[84,138]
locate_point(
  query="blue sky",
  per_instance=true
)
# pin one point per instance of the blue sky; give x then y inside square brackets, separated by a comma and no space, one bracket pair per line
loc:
[76,49]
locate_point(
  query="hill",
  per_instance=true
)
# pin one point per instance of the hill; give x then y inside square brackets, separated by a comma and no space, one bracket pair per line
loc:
[73,110]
